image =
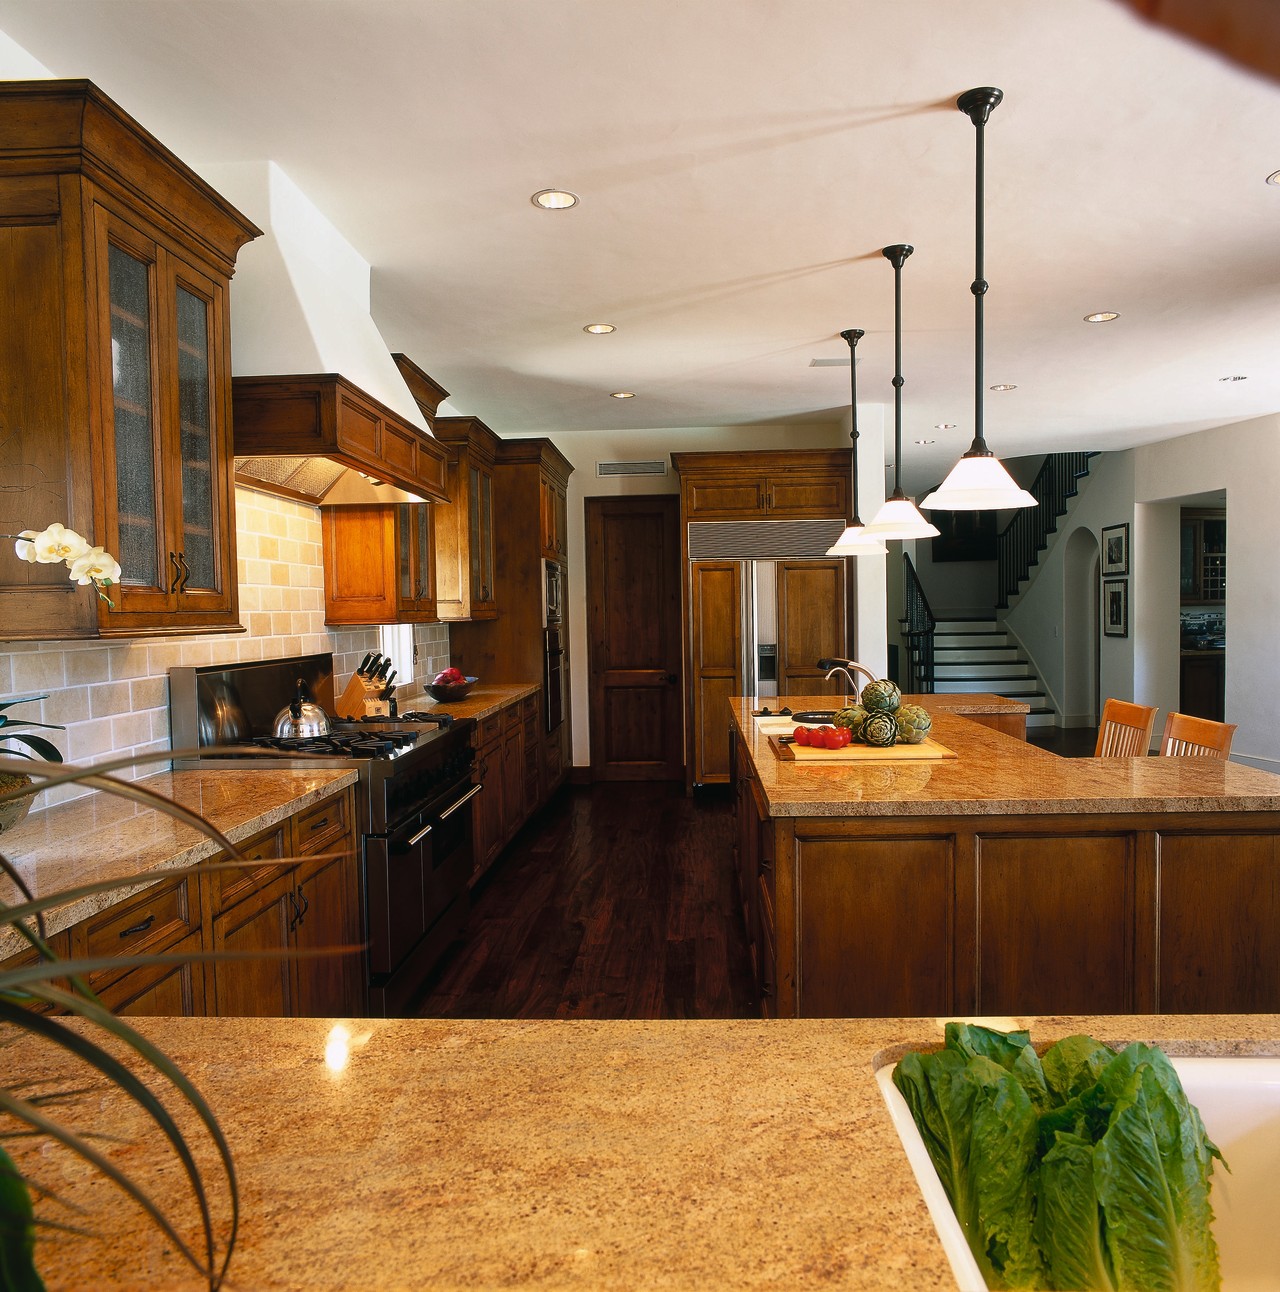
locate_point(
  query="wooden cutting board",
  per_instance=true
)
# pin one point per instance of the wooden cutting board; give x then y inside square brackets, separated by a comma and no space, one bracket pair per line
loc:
[926,750]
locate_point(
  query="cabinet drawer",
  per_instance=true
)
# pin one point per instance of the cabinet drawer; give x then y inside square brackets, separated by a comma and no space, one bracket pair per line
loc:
[322,825]
[512,718]
[226,887]
[529,708]
[490,728]
[155,917]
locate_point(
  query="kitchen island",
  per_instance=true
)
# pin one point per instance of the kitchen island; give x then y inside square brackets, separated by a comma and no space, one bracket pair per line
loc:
[1006,880]
[590,1155]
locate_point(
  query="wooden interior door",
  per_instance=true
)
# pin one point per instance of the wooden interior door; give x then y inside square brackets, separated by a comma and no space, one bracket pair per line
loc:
[633,634]
[812,625]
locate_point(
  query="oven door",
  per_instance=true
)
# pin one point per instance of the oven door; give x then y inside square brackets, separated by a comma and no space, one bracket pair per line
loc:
[553,678]
[414,874]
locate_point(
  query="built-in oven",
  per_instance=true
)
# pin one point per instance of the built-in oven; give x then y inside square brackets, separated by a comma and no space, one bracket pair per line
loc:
[553,681]
[552,593]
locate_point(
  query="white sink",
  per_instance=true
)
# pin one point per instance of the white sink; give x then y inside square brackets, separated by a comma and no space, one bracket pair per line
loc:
[1239,1102]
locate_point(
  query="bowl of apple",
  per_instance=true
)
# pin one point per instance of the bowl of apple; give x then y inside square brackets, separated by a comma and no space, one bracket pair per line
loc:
[451,684]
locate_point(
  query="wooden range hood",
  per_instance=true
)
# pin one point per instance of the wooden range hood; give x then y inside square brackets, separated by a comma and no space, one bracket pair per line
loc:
[322,440]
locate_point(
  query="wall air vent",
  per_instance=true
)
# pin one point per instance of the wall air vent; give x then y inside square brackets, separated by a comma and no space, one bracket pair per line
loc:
[655,468]
[829,363]
[761,540]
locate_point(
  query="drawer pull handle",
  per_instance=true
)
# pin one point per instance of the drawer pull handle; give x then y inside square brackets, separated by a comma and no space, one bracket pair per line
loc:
[315,825]
[422,834]
[470,794]
[141,927]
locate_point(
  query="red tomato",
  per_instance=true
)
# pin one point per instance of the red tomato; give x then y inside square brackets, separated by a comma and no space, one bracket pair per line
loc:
[845,736]
[828,737]
[802,735]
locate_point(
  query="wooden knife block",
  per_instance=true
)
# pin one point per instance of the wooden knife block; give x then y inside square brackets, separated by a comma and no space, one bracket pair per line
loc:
[361,698]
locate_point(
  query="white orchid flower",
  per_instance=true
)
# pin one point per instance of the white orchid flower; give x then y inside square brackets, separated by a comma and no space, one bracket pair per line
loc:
[96,566]
[25,546]
[58,543]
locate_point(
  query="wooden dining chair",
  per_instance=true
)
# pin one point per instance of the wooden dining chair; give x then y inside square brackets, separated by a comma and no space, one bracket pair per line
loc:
[1125,730]
[1188,737]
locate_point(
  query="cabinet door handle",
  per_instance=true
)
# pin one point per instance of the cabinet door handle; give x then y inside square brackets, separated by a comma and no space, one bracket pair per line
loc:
[305,906]
[186,571]
[417,838]
[177,572]
[140,927]
[296,917]
[470,794]
[315,825]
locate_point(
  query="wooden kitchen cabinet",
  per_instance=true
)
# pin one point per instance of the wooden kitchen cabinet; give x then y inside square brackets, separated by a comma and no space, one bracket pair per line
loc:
[490,804]
[464,526]
[1202,565]
[508,751]
[116,351]
[379,564]
[554,516]
[513,648]
[787,485]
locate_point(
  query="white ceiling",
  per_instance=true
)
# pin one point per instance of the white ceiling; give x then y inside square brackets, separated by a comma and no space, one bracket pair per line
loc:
[740,165]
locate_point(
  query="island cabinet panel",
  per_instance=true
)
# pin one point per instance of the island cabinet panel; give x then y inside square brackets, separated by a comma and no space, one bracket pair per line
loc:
[875,927]
[1219,914]
[1057,923]
[257,928]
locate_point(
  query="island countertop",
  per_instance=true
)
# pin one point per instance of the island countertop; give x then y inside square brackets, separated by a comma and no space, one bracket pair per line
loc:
[584,1155]
[993,774]
[103,836]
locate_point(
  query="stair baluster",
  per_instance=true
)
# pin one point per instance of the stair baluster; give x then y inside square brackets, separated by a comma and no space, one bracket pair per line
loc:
[917,627]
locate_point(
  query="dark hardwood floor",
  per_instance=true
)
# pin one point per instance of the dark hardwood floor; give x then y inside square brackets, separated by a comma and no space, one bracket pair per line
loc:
[1067,742]
[616,901]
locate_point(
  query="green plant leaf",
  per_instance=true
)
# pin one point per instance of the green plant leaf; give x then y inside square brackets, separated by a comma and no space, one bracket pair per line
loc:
[47,750]
[17,1232]
[1068,1223]
[1073,1065]
[1011,1050]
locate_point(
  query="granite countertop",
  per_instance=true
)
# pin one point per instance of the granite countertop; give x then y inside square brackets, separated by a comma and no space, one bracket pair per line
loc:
[997,774]
[102,836]
[582,1155]
[484,699]
[944,702]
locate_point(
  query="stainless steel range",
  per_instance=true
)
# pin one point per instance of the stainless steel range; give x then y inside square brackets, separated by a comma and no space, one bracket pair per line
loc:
[416,780]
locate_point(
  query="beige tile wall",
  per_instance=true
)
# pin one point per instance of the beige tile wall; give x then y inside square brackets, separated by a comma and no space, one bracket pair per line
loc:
[112,699]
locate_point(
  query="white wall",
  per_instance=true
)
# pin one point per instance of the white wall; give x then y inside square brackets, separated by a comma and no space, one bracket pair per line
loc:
[585,449]
[1243,459]
[1038,618]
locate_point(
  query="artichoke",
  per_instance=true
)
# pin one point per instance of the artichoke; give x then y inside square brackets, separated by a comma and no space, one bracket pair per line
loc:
[883,696]
[914,724]
[852,717]
[880,729]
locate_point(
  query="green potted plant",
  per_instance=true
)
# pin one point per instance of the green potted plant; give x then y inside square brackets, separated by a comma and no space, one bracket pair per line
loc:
[12,810]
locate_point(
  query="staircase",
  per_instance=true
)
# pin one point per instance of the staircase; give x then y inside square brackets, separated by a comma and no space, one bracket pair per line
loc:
[976,655]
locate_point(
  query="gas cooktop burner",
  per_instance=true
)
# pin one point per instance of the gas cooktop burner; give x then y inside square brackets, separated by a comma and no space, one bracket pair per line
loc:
[419,715]
[363,744]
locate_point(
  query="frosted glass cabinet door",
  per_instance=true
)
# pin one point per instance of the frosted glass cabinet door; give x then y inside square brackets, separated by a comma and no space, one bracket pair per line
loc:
[195,428]
[139,542]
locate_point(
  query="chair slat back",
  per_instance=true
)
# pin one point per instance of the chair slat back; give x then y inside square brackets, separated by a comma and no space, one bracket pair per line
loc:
[1188,737]
[1125,730]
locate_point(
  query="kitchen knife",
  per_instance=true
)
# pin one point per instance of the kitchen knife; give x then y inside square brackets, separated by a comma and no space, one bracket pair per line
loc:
[389,685]
[363,670]
[382,669]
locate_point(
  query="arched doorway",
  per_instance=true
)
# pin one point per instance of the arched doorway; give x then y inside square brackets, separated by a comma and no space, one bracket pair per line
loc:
[1081,630]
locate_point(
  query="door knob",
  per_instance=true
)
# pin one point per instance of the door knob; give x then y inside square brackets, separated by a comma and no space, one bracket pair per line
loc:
[672,678]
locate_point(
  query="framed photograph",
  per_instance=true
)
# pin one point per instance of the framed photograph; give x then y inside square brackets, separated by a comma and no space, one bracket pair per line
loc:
[1115,550]
[1115,607]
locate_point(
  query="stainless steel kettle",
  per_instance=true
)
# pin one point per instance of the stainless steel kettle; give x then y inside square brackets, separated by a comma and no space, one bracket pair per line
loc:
[301,718]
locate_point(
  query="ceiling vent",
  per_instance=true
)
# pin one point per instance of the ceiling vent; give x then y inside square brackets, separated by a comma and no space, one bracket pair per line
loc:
[829,363]
[654,468]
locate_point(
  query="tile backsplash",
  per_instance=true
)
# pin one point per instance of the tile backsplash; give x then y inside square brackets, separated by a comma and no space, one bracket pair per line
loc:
[113,698]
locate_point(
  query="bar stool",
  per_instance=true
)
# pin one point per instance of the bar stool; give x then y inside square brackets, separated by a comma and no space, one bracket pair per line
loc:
[1125,730]
[1188,737]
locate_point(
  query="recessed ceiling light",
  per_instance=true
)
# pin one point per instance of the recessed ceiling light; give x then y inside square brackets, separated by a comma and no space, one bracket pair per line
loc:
[599,329]
[1233,378]
[926,441]
[1003,385]
[1103,316]
[944,426]
[554,199]
[1274,177]
[622,394]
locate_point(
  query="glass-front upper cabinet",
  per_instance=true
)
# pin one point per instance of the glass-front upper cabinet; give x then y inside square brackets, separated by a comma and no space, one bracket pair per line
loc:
[165,438]
[415,539]
[1202,565]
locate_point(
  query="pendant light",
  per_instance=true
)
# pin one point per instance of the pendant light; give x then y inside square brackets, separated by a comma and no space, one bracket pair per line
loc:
[898,518]
[855,541]
[979,481]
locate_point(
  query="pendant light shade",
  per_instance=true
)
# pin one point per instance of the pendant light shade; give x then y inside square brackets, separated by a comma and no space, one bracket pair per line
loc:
[899,517]
[854,540]
[979,482]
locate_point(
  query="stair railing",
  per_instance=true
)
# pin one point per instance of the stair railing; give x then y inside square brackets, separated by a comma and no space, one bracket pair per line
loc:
[1020,543]
[918,624]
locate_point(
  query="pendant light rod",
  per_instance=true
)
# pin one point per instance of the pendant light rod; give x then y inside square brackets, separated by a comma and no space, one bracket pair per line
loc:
[853,335]
[897,257]
[978,106]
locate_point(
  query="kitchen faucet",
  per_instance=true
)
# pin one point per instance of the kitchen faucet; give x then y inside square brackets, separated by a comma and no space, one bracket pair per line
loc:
[844,666]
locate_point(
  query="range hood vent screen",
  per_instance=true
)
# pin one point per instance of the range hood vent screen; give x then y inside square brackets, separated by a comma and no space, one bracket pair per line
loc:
[761,540]
[658,468]
[312,477]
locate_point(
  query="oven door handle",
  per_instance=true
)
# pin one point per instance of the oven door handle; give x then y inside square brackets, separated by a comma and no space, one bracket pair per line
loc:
[470,794]
[417,838]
